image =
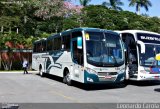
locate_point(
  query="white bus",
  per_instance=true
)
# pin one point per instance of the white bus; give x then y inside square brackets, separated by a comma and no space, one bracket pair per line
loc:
[85,55]
[142,47]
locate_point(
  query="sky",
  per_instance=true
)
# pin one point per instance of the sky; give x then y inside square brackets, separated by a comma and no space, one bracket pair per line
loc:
[153,11]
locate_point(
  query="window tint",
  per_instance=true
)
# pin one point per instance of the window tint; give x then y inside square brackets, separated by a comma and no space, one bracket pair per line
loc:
[77,53]
[38,46]
[43,46]
[76,34]
[57,43]
[66,42]
[49,45]
[34,47]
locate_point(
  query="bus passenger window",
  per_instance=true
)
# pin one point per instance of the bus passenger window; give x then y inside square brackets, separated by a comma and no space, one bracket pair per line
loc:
[77,54]
[57,43]
[66,42]
[49,45]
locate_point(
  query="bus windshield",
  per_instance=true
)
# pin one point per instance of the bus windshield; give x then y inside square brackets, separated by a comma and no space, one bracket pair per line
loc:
[104,49]
[148,58]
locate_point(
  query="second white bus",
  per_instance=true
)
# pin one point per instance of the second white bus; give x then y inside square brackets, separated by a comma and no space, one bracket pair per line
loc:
[142,47]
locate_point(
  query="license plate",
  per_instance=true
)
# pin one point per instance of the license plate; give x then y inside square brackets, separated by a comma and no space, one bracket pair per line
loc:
[107,77]
[156,77]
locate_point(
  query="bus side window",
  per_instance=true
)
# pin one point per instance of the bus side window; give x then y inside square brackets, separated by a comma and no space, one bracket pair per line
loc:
[39,47]
[57,43]
[49,45]
[77,53]
[43,48]
[34,47]
[66,39]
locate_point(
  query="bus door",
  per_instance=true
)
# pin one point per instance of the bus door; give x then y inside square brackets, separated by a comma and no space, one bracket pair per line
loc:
[77,58]
[131,54]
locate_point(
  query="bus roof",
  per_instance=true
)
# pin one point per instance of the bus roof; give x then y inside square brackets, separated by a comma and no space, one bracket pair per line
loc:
[88,29]
[81,29]
[43,39]
[137,31]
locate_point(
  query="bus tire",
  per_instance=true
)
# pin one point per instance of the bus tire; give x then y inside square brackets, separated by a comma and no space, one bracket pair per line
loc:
[67,78]
[40,71]
[64,79]
[127,76]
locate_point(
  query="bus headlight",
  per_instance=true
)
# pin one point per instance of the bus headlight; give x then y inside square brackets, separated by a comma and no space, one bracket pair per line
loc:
[120,70]
[144,71]
[91,71]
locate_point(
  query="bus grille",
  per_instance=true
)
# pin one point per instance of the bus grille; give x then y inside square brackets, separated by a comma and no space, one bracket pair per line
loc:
[107,73]
[107,76]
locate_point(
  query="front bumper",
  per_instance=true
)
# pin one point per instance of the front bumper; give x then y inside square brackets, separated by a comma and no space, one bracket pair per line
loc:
[93,78]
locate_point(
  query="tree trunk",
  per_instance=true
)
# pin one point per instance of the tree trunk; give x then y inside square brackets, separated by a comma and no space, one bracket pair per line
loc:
[17,30]
[138,10]
[56,29]
[25,19]
[1,29]
[0,61]
[5,65]
[10,65]
[9,29]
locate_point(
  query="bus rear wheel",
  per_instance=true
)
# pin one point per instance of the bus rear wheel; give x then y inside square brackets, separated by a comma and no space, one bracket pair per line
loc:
[67,78]
[40,71]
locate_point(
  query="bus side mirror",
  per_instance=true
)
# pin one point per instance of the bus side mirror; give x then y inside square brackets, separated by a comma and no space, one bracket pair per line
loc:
[157,57]
[142,45]
[79,42]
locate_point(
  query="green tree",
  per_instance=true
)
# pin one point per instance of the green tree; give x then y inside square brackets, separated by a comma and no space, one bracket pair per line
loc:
[114,4]
[139,4]
[9,43]
[11,13]
[84,2]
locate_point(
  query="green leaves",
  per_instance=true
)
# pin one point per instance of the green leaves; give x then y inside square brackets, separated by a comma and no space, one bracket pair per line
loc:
[139,4]
[21,17]
[84,2]
[102,17]
[114,4]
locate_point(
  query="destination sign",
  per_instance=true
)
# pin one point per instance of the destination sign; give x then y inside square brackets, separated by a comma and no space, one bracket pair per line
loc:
[148,38]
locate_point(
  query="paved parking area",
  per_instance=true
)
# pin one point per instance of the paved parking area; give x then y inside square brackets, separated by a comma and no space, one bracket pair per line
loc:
[31,88]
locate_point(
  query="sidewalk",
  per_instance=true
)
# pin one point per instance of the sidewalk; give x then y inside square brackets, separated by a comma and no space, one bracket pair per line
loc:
[18,72]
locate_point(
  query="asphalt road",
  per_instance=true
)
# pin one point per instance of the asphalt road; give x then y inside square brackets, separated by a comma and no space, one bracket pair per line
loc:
[31,88]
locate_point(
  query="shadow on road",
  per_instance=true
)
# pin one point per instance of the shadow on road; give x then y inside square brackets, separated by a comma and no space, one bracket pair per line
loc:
[88,87]
[157,90]
[144,83]
[56,78]
[92,87]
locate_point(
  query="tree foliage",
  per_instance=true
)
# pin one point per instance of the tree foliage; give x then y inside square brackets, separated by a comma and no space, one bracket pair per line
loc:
[102,17]
[84,2]
[139,4]
[114,4]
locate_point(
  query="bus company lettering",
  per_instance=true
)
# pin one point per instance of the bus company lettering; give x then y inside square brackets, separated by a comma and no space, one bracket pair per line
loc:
[150,38]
